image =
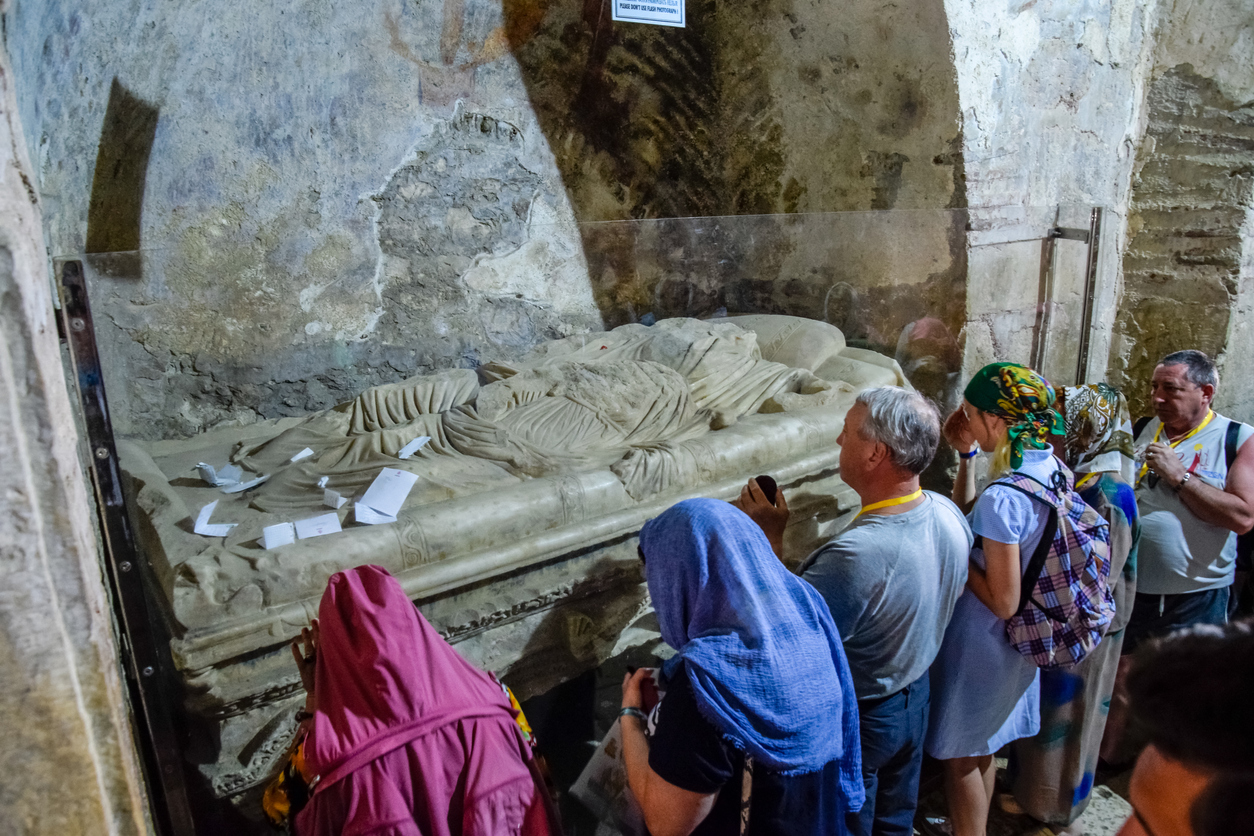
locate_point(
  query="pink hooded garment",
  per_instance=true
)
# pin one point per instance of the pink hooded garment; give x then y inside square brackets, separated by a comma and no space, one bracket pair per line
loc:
[408,737]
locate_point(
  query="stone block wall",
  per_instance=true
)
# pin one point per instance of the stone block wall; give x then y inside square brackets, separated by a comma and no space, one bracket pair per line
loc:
[1187,276]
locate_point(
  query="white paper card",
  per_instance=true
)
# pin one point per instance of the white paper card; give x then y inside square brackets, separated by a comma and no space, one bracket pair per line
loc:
[368,516]
[332,499]
[278,535]
[657,12]
[215,530]
[387,492]
[243,486]
[317,526]
[322,481]
[303,454]
[413,447]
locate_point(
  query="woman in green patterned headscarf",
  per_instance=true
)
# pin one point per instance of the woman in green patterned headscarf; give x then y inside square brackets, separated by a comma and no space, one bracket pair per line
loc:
[984,694]
[1024,401]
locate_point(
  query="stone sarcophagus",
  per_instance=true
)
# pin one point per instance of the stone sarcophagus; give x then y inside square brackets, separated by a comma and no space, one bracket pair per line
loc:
[517,540]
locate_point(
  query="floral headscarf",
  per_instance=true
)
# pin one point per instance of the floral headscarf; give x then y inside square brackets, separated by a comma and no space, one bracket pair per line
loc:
[1023,398]
[1099,430]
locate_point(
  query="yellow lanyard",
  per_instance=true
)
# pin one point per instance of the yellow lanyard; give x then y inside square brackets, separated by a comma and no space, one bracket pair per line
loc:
[1209,415]
[888,503]
[1084,481]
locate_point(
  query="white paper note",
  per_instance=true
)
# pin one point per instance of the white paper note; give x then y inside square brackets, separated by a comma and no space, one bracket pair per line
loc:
[322,481]
[211,530]
[303,454]
[332,499]
[413,447]
[368,516]
[243,486]
[317,526]
[387,492]
[278,535]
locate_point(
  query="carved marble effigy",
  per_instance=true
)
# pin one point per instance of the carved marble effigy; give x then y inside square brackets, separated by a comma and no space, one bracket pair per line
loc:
[518,538]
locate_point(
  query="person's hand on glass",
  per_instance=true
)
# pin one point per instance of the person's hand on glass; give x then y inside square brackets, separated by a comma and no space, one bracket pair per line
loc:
[957,431]
[306,660]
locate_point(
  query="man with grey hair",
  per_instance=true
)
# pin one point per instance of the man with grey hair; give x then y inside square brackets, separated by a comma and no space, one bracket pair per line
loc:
[891,580]
[1195,492]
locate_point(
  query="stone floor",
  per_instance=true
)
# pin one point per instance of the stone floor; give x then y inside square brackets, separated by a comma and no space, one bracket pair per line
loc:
[571,742]
[1106,813]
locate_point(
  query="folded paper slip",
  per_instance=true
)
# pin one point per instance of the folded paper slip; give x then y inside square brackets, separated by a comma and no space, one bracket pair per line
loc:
[385,496]
[204,527]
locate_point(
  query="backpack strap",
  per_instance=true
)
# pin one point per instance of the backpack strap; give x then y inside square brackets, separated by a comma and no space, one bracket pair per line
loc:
[1037,564]
[1139,425]
[1230,442]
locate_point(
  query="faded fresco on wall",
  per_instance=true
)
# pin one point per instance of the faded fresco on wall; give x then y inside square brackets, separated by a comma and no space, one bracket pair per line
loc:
[330,197]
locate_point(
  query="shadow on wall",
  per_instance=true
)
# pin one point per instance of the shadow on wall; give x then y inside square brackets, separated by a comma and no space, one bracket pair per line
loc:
[117,191]
[774,114]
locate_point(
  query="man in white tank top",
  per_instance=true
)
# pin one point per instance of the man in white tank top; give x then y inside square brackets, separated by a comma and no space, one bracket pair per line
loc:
[1192,503]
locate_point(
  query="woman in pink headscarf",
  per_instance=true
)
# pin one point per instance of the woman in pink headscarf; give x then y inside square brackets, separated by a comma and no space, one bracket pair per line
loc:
[404,735]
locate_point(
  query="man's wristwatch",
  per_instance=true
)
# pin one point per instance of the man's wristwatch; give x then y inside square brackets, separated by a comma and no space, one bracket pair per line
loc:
[1180,485]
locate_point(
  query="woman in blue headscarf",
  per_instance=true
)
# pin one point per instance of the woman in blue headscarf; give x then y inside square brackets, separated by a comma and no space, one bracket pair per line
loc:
[759,719]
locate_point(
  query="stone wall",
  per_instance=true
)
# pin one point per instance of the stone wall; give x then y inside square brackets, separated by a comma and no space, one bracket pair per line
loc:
[66,750]
[1051,96]
[1187,265]
[333,196]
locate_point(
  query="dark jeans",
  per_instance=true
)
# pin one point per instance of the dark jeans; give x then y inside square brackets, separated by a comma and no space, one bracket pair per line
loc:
[893,729]
[1158,615]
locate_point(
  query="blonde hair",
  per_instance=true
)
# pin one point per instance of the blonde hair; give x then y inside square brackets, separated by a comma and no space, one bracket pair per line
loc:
[999,465]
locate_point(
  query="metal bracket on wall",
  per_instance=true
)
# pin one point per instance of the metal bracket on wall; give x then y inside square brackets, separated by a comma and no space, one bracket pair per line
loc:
[1070,233]
[1093,239]
[147,664]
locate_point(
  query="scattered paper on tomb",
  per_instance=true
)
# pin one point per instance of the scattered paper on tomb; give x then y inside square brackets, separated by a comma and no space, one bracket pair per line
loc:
[203,526]
[385,496]
[413,446]
[273,536]
[332,499]
[322,481]
[243,486]
[227,476]
[318,526]
[364,515]
[303,454]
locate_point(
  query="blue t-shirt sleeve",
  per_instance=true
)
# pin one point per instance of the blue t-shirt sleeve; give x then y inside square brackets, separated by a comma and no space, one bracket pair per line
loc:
[1003,514]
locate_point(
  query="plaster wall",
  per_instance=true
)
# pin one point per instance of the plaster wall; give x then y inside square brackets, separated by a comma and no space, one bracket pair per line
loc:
[66,749]
[1188,255]
[1051,98]
[333,196]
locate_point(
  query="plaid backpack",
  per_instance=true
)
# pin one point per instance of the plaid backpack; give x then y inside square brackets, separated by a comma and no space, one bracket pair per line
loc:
[1065,605]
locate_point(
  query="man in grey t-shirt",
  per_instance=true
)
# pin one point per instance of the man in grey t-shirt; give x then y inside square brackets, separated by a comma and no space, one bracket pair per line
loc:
[891,580]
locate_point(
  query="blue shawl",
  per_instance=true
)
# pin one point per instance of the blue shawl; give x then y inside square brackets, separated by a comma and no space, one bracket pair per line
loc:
[761,650]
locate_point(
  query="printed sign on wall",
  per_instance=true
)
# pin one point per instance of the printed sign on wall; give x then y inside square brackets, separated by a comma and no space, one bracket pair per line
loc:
[657,12]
